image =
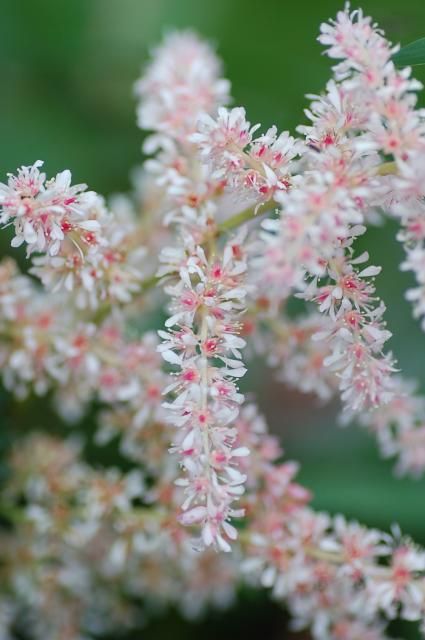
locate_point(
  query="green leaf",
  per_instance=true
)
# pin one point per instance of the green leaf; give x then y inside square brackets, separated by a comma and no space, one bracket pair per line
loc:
[411,54]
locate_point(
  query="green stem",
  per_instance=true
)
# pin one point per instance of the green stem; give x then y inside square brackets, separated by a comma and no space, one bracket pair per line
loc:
[12,513]
[387,169]
[228,225]
[245,216]
[148,283]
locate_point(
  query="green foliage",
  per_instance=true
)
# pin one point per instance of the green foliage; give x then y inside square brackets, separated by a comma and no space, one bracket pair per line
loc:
[411,55]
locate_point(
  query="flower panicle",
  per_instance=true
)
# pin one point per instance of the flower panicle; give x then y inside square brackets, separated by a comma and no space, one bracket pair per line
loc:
[202,343]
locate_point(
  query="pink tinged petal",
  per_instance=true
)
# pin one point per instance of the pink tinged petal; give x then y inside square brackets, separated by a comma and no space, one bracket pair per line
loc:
[363,257]
[223,545]
[69,282]
[63,179]
[369,272]
[236,476]
[236,490]
[269,576]
[17,241]
[240,452]
[270,175]
[30,234]
[236,373]
[207,535]
[193,516]
[230,530]
[56,233]
[188,440]
[326,304]
[90,225]
[171,357]
[174,319]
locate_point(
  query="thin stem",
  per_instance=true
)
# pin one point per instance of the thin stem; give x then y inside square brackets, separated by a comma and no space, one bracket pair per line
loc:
[377,571]
[228,225]
[387,169]
[203,334]
[148,283]
[244,216]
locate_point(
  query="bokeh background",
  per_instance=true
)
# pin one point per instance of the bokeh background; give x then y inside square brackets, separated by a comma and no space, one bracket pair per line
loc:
[67,68]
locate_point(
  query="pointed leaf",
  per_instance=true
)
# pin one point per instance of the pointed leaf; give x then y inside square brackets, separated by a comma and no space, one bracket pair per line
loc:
[410,55]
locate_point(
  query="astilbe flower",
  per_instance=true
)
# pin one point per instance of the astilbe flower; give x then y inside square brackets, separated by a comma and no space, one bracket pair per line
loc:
[335,575]
[53,564]
[297,351]
[360,117]
[399,427]
[111,274]
[257,166]
[182,81]
[206,302]
[321,221]
[296,358]
[46,346]
[84,544]
[87,251]
[391,124]
[300,350]
[207,299]
[358,334]
[43,213]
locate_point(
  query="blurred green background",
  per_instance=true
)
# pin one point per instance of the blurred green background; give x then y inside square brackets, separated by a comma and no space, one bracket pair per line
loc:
[67,69]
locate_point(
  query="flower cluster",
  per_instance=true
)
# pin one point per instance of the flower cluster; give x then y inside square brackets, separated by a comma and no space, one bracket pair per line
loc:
[44,212]
[257,166]
[358,333]
[86,251]
[45,346]
[107,538]
[297,358]
[81,545]
[400,428]
[182,82]
[336,576]
[203,334]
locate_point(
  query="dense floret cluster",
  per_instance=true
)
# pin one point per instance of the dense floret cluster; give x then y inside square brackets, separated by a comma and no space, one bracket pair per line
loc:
[226,225]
